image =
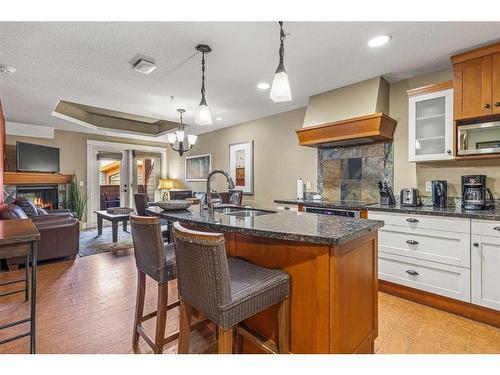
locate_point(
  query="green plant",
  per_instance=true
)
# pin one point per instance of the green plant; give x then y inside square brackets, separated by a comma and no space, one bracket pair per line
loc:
[77,201]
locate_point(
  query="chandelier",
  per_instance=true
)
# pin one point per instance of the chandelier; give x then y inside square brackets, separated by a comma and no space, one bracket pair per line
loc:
[178,138]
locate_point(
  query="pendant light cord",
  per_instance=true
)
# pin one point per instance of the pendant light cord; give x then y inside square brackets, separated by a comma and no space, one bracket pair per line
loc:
[281,66]
[203,76]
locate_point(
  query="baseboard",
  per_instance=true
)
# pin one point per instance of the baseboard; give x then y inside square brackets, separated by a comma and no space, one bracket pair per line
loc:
[467,310]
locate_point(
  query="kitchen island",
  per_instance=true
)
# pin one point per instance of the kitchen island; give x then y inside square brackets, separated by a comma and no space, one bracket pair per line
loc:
[332,262]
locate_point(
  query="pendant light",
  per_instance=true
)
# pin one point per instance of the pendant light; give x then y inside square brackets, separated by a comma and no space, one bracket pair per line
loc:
[203,116]
[280,90]
[178,137]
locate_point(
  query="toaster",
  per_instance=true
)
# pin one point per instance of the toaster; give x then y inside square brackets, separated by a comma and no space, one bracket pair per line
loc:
[410,197]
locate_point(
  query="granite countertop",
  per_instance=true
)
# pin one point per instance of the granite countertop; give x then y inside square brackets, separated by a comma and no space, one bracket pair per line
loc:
[450,211]
[290,226]
[345,205]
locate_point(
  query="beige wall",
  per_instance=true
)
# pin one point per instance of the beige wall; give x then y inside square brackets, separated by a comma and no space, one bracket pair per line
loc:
[278,159]
[408,174]
[73,148]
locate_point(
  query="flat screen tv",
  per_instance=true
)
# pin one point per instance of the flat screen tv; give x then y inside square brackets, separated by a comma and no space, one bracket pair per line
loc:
[36,158]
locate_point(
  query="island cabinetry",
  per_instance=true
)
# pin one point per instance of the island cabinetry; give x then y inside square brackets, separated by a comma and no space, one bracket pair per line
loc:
[333,298]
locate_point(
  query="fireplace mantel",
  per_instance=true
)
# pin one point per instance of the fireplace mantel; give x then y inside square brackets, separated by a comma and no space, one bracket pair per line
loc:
[26,178]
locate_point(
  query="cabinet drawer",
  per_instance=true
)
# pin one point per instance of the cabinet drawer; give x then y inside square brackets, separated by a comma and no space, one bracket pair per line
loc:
[485,227]
[445,280]
[451,224]
[434,245]
[287,207]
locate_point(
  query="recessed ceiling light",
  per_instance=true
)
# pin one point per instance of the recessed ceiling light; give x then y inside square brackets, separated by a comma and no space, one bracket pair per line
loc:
[8,70]
[144,66]
[379,40]
[263,86]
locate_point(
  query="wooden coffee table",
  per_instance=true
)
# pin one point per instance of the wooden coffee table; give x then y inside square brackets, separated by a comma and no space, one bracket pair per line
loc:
[115,219]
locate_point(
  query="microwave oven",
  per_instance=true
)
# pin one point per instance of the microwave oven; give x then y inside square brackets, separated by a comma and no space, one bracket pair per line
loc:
[479,138]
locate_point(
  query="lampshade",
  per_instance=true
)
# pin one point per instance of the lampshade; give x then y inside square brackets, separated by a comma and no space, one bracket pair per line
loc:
[203,116]
[280,90]
[165,184]
[180,135]
[171,138]
[192,139]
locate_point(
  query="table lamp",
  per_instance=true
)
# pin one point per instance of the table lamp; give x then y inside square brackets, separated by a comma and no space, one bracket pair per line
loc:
[165,184]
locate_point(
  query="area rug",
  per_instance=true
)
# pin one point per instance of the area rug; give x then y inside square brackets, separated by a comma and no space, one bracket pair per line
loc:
[91,243]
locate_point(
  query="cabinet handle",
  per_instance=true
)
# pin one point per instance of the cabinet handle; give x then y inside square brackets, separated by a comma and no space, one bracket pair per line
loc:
[476,244]
[412,272]
[496,228]
[497,104]
[412,242]
[412,220]
[287,208]
[486,105]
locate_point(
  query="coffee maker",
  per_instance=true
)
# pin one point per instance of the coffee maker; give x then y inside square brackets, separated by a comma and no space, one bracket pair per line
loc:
[475,194]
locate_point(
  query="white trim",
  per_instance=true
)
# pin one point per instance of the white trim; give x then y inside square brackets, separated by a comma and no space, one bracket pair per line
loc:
[28,130]
[92,170]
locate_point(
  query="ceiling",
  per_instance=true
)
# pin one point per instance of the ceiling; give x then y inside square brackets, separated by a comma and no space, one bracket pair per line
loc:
[89,63]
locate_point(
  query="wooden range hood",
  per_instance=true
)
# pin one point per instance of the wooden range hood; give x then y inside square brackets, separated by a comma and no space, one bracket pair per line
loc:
[377,127]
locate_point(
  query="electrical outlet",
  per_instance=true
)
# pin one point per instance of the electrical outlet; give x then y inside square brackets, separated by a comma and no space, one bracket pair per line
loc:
[308,185]
[81,183]
[428,186]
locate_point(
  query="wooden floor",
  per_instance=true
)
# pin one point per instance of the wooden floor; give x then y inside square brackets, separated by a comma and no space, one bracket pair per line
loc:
[87,307]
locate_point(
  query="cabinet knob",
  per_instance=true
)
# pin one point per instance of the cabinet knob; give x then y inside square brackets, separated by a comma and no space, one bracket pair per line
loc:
[497,104]
[476,244]
[486,105]
[287,208]
[412,272]
[448,151]
[496,228]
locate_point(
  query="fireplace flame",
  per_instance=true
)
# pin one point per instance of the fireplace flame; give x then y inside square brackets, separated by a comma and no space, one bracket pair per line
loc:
[39,202]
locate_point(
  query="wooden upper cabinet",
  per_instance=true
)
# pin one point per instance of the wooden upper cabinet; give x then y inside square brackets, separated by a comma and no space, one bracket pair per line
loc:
[472,83]
[496,83]
[476,82]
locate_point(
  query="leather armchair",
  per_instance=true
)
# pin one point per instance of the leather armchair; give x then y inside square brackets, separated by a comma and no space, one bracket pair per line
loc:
[59,234]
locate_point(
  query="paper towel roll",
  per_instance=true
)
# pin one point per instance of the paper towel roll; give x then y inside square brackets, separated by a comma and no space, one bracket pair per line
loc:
[300,189]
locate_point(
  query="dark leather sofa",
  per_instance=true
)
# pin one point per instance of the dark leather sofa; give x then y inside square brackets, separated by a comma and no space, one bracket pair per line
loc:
[59,233]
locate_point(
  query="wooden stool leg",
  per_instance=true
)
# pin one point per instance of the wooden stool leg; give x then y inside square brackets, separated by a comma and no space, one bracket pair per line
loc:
[284,327]
[184,328]
[225,343]
[161,317]
[139,306]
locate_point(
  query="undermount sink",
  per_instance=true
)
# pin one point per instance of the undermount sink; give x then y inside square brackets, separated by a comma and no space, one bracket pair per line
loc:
[241,211]
[249,213]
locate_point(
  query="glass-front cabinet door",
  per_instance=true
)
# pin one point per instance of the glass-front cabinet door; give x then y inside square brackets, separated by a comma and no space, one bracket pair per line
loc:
[430,126]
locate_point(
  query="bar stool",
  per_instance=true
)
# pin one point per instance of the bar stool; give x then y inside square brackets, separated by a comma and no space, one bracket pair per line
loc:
[227,291]
[155,259]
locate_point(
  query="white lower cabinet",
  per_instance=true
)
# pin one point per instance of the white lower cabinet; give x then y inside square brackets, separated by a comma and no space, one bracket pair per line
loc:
[452,257]
[433,277]
[485,267]
[430,253]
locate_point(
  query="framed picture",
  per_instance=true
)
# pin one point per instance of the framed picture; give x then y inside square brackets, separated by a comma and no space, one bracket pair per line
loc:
[198,167]
[241,166]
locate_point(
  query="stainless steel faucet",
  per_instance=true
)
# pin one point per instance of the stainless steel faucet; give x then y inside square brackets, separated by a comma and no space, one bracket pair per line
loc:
[212,202]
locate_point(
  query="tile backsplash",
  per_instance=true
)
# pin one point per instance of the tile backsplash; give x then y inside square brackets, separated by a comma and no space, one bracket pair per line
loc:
[352,173]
